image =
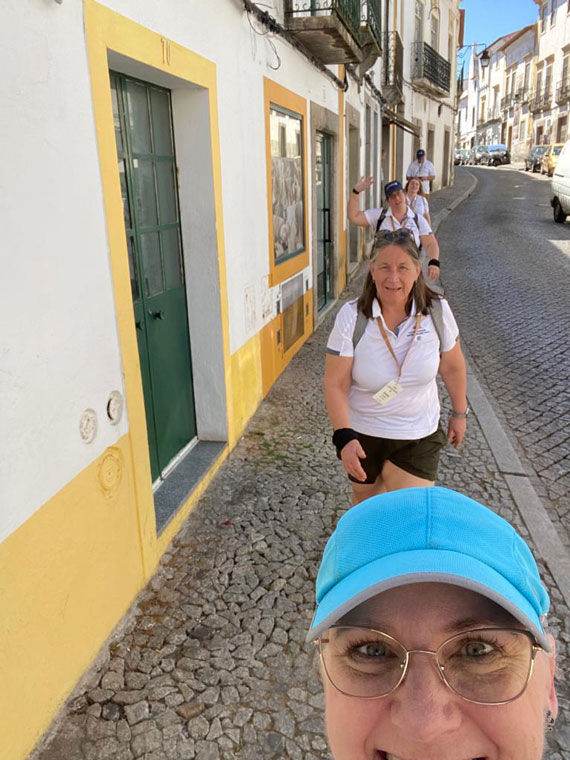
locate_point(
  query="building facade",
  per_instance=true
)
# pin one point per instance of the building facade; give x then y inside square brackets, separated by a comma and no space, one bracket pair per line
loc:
[551,91]
[174,199]
[520,59]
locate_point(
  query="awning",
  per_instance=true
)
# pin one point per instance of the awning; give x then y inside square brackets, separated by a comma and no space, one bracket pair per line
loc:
[394,118]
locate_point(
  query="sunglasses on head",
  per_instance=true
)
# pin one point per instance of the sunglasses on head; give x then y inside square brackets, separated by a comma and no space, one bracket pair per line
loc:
[397,236]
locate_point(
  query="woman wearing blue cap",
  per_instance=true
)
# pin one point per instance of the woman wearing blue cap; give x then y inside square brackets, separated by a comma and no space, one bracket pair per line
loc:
[430,625]
[383,356]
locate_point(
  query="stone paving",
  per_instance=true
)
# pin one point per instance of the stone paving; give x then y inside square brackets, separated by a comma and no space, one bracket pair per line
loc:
[212,663]
[504,235]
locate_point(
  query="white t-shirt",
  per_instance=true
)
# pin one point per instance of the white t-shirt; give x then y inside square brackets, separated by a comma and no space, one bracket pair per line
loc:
[414,412]
[373,214]
[426,169]
[419,205]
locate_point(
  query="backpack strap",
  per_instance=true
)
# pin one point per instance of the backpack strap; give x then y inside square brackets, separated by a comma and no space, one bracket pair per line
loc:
[359,328]
[435,310]
[380,220]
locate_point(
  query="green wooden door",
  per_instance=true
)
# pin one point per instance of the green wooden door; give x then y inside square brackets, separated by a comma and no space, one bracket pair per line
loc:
[147,169]
[324,231]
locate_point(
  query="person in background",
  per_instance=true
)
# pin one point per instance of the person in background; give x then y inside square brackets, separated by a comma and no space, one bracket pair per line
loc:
[380,386]
[431,631]
[416,199]
[424,170]
[397,216]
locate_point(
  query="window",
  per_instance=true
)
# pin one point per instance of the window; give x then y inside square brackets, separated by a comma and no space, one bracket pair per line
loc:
[286,136]
[419,25]
[434,30]
[522,130]
[565,68]
[553,12]
[538,82]
[543,16]
[548,79]
[527,74]
[473,114]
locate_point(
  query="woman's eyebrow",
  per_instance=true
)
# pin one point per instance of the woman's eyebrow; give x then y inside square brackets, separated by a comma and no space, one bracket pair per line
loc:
[467,623]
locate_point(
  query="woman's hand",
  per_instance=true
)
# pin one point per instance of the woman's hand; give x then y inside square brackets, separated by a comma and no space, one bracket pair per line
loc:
[363,184]
[456,429]
[433,272]
[351,455]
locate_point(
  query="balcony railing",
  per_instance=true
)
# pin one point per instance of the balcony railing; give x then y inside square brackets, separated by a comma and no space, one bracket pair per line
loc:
[371,25]
[392,67]
[563,92]
[329,29]
[520,96]
[430,71]
[541,99]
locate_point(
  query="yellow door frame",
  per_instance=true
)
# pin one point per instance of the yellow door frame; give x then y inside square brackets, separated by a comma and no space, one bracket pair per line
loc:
[107,31]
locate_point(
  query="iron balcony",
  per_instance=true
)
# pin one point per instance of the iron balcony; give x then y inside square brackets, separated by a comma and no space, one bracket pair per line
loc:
[430,71]
[392,68]
[541,99]
[329,29]
[563,92]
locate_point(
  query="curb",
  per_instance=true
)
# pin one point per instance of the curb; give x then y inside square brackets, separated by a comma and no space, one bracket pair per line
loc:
[543,533]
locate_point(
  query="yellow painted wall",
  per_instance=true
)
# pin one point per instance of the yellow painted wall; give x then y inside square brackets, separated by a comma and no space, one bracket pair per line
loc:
[67,575]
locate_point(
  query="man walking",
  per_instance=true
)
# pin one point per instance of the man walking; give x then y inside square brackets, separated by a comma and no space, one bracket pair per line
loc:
[423,169]
[397,216]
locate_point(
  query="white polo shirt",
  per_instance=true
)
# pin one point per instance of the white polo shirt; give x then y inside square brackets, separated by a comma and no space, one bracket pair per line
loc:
[419,205]
[427,169]
[414,412]
[409,222]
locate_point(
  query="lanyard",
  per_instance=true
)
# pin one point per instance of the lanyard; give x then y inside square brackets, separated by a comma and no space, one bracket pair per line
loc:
[403,225]
[389,345]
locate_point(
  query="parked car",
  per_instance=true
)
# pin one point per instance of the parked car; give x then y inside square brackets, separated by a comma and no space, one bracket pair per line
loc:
[561,185]
[458,157]
[549,158]
[465,153]
[478,154]
[532,161]
[497,155]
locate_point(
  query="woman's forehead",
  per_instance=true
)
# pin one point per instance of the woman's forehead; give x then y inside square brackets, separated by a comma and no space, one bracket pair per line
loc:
[439,605]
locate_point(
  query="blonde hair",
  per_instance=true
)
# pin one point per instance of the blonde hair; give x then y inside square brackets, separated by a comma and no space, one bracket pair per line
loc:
[420,189]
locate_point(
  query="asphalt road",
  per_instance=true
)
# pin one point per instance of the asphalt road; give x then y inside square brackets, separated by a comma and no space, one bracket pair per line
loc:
[506,271]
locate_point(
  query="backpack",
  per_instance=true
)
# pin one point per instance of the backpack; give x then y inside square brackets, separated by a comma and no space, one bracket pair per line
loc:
[435,311]
[383,216]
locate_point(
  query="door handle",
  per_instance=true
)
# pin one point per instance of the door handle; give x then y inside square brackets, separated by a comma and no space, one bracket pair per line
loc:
[138,325]
[157,314]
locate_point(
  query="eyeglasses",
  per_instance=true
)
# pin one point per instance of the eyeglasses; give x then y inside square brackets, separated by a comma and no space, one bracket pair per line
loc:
[394,237]
[488,666]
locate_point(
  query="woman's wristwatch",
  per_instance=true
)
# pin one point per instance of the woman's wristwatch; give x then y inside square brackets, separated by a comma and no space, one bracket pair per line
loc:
[460,415]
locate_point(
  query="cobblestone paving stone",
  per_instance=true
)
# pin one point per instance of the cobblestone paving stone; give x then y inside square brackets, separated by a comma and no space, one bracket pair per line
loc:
[212,663]
[519,343]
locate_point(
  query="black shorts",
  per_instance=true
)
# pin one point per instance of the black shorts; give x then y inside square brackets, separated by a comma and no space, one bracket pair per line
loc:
[419,457]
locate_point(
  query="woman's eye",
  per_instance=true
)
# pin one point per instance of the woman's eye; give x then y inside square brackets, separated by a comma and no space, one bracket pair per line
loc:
[477,649]
[372,649]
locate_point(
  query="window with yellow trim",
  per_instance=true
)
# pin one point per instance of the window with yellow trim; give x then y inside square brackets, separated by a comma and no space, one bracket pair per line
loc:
[287,183]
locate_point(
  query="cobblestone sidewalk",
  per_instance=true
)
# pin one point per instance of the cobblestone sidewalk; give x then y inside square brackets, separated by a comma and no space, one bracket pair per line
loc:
[212,662]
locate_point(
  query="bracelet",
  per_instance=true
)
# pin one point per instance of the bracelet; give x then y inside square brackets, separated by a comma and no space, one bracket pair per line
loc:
[342,436]
[356,192]
[434,263]
[461,415]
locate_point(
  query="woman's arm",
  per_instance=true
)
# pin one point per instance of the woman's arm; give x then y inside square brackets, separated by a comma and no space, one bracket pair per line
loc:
[454,374]
[355,216]
[338,377]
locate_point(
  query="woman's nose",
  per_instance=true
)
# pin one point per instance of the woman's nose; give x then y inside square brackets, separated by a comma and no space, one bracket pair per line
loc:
[423,705]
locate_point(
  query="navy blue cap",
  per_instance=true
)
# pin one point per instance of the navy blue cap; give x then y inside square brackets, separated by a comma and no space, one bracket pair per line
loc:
[420,153]
[391,187]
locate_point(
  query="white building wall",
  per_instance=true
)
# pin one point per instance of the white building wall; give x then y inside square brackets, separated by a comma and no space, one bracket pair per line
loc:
[553,45]
[60,353]
[60,344]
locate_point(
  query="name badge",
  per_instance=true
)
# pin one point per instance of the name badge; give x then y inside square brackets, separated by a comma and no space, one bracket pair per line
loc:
[387,393]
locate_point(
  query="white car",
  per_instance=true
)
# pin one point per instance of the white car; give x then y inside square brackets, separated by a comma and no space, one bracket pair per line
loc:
[561,186]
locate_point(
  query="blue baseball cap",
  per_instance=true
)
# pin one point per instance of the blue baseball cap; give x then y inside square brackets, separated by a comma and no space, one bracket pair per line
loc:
[420,153]
[420,535]
[391,187]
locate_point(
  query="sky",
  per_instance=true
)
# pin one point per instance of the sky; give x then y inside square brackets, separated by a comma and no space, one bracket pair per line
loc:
[485,20]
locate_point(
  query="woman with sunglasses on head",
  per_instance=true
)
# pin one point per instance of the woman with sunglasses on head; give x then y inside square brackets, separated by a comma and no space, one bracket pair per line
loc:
[430,625]
[383,356]
[416,199]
